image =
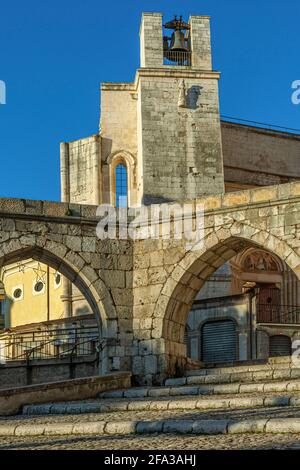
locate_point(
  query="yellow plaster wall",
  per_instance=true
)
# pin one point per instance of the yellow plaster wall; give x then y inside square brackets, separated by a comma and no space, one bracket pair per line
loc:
[32,307]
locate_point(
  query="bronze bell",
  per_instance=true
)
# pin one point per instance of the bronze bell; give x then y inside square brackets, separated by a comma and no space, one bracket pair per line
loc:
[178,43]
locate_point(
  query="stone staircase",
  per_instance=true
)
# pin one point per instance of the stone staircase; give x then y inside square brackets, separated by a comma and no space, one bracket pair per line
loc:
[259,398]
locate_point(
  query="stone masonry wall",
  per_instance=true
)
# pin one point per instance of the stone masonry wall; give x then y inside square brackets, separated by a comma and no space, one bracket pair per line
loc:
[181,146]
[20,374]
[64,236]
[141,291]
[118,130]
[83,178]
[151,50]
[259,156]
[200,42]
[167,276]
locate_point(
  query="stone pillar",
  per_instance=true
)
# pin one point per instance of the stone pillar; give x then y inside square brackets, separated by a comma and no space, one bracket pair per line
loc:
[64,172]
[151,40]
[200,42]
[96,169]
[65,197]
[66,297]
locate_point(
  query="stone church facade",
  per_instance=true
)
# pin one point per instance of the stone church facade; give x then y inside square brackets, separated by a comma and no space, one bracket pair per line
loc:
[163,134]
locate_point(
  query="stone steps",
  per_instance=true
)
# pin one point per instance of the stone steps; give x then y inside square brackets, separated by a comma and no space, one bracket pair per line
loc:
[281,363]
[173,426]
[253,398]
[236,376]
[206,389]
[248,398]
[188,403]
[242,386]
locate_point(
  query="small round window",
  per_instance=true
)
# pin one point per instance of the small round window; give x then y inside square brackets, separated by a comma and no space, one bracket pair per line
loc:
[39,286]
[17,293]
[57,279]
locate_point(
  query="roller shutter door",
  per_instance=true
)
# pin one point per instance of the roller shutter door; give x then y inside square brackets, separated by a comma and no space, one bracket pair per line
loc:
[219,341]
[187,342]
[280,346]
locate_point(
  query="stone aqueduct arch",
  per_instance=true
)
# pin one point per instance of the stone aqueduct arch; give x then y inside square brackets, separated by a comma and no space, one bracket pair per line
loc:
[194,269]
[267,218]
[24,236]
[70,266]
[141,291]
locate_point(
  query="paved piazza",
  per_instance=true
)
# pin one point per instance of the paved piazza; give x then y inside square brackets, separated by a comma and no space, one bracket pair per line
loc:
[154,442]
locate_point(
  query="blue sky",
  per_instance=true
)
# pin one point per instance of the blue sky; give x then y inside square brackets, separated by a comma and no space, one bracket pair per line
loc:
[54,54]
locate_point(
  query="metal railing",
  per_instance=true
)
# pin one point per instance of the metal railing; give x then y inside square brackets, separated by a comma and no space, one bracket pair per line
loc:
[183,58]
[282,314]
[50,344]
[258,124]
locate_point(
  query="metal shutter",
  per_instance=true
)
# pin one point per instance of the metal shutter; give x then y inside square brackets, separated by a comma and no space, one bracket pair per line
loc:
[186,341]
[280,346]
[219,341]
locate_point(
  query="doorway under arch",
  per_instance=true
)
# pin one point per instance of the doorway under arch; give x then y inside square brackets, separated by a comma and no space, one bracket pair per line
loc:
[188,278]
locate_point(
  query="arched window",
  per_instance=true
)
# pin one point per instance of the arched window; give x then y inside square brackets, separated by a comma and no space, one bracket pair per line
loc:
[121,185]
[122,179]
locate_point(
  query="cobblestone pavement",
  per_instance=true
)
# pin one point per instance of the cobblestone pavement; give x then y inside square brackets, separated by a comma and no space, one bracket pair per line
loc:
[154,442]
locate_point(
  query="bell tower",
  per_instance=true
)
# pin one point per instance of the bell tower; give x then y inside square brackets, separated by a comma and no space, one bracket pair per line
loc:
[178,117]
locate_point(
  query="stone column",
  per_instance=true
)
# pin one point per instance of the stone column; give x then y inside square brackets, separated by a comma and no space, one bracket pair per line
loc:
[96,170]
[64,172]
[65,197]
[66,297]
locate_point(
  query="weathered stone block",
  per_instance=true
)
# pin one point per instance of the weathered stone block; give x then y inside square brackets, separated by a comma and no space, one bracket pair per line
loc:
[124,427]
[210,427]
[89,428]
[247,426]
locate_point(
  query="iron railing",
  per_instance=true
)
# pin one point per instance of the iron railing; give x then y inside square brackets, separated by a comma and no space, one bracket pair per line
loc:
[50,344]
[282,314]
[183,58]
[258,124]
